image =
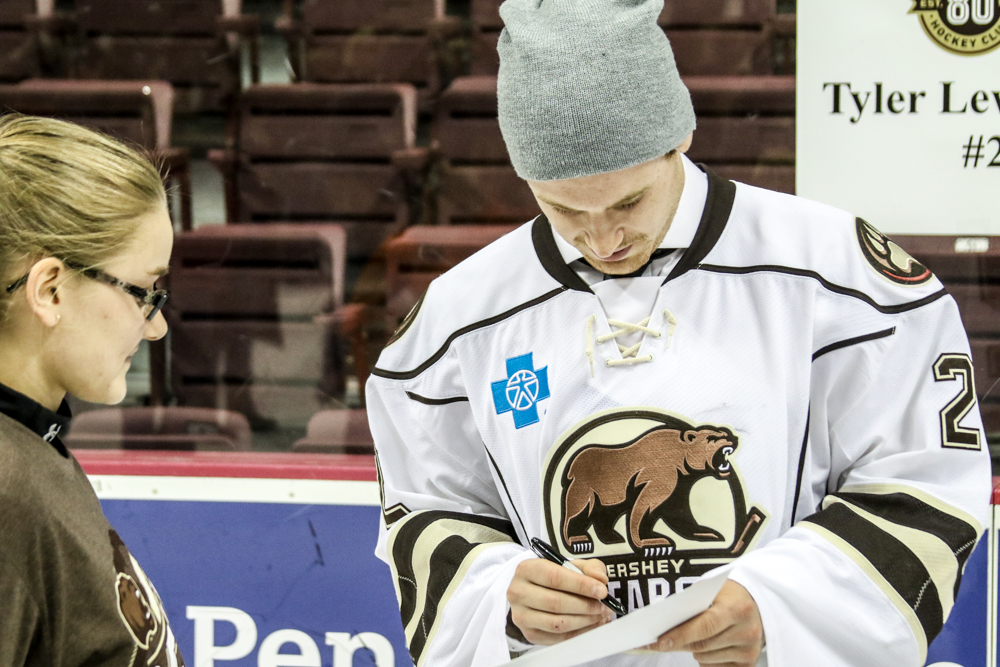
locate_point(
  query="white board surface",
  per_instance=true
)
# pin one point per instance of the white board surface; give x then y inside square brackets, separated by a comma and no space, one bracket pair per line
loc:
[891,123]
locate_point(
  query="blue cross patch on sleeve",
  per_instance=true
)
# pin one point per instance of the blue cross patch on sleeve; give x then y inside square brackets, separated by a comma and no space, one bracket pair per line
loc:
[521,391]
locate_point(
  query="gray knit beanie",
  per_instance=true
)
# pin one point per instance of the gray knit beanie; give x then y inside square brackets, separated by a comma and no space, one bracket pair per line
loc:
[587,87]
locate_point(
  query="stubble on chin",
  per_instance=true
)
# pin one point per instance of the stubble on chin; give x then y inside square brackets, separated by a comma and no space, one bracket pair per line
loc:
[642,249]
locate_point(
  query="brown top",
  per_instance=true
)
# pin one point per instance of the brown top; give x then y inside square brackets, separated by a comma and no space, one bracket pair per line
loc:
[70,592]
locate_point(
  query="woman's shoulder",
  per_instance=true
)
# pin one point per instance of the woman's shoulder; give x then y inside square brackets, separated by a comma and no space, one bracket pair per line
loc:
[20,497]
[35,479]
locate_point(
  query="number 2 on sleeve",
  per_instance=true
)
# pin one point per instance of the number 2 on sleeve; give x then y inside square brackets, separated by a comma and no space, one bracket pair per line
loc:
[957,367]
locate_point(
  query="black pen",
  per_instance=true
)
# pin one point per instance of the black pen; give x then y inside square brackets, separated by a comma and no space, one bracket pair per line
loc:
[543,550]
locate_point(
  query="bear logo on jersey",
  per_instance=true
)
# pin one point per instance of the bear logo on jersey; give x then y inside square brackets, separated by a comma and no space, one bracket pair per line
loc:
[141,611]
[888,259]
[655,496]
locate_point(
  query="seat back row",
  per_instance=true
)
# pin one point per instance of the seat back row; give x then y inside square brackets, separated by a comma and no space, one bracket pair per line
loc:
[199,45]
[342,153]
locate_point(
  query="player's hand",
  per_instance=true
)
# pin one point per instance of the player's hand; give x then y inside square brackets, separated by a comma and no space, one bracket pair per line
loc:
[728,633]
[551,603]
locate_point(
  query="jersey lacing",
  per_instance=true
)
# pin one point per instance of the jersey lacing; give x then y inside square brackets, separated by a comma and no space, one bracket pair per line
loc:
[629,354]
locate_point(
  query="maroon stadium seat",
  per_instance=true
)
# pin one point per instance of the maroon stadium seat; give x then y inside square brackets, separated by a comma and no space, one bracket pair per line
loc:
[970,269]
[422,253]
[337,432]
[729,52]
[476,183]
[194,44]
[746,128]
[783,28]
[486,28]
[720,37]
[19,47]
[368,41]
[258,323]
[322,152]
[742,95]
[702,52]
[139,112]
[730,14]
[746,132]
[174,428]
[709,37]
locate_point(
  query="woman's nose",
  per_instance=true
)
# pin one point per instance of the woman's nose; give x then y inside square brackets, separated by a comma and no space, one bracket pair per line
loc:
[156,328]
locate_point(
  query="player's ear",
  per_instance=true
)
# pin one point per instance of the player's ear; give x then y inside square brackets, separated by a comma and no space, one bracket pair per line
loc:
[45,279]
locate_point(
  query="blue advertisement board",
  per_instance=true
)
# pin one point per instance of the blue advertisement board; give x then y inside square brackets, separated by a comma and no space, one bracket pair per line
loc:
[267,584]
[964,640]
[281,573]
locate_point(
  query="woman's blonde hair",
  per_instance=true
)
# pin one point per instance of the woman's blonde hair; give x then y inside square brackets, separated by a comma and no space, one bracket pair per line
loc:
[67,192]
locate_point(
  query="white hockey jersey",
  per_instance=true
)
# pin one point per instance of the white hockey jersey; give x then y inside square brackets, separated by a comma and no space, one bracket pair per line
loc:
[801,400]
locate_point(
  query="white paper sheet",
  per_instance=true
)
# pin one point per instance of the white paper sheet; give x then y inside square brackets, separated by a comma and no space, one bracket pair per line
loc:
[639,628]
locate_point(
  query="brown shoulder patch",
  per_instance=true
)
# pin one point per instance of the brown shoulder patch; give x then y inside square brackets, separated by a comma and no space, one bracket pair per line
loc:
[407,321]
[888,259]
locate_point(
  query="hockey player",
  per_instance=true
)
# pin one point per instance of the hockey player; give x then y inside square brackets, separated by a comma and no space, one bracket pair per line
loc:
[665,373]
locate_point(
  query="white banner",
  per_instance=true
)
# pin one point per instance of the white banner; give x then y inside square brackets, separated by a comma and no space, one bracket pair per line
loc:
[898,112]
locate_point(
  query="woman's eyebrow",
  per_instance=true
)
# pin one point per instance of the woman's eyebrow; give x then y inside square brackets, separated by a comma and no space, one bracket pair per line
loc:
[160,272]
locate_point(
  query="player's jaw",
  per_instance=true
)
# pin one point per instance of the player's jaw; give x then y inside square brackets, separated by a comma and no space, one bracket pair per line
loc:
[632,252]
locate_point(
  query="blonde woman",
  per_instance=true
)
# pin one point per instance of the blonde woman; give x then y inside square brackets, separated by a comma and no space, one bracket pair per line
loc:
[84,237]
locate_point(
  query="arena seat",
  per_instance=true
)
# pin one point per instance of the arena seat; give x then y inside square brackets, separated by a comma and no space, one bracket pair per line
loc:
[742,95]
[258,322]
[737,59]
[337,432]
[783,29]
[422,253]
[197,45]
[731,14]
[746,128]
[139,112]
[368,41]
[720,37]
[170,428]
[969,267]
[322,152]
[19,43]
[709,37]
[475,181]
[486,28]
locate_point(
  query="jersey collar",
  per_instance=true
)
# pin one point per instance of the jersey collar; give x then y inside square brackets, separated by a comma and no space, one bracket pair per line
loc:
[37,418]
[556,253]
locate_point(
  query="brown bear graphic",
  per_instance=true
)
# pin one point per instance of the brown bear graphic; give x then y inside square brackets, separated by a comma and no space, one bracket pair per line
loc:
[141,610]
[135,611]
[649,478]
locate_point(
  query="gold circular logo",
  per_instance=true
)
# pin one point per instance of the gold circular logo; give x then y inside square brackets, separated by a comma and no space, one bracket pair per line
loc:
[965,27]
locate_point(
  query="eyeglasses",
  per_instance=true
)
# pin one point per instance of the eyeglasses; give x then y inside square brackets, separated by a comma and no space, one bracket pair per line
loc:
[150,300]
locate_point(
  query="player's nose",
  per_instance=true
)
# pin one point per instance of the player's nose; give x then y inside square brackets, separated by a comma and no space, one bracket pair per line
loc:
[605,242]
